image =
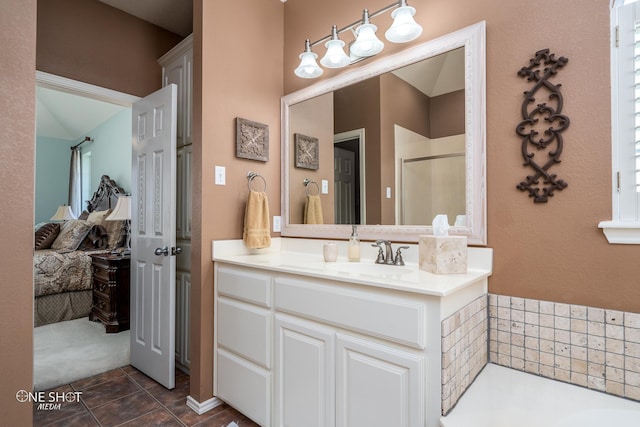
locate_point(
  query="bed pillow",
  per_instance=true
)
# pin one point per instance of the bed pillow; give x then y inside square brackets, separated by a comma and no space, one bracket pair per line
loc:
[84,215]
[98,217]
[96,238]
[116,233]
[46,235]
[72,233]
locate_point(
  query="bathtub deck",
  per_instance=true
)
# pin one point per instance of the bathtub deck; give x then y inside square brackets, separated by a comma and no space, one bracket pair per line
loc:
[503,397]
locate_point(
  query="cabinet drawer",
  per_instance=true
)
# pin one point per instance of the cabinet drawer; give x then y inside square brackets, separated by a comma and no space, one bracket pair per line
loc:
[101,307]
[244,386]
[380,315]
[102,273]
[244,286]
[102,288]
[245,330]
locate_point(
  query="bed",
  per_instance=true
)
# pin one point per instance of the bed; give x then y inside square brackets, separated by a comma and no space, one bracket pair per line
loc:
[62,262]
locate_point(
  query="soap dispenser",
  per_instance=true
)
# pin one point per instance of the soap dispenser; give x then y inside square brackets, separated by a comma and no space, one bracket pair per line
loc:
[354,245]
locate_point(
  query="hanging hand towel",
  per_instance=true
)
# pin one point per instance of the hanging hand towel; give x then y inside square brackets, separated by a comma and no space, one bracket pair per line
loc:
[313,210]
[256,221]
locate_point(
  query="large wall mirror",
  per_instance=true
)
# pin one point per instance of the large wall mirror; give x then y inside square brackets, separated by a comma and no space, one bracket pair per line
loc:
[389,145]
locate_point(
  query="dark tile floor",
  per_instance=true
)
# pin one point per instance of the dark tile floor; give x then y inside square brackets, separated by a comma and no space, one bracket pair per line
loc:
[127,397]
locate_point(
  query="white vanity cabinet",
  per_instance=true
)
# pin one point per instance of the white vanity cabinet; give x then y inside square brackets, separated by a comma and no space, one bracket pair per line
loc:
[292,350]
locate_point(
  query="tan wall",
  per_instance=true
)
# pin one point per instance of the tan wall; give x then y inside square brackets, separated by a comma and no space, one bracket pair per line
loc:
[239,79]
[92,42]
[313,118]
[17,103]
[552,251]
[447,115]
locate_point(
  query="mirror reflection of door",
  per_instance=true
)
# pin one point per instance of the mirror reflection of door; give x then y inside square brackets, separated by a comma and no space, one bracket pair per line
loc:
[346,182]
[348,176]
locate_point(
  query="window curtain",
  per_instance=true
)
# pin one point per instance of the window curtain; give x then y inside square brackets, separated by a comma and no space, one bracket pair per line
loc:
[75,181]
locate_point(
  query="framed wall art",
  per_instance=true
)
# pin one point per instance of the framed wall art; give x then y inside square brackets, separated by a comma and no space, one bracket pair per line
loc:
[306,151]
[252,140]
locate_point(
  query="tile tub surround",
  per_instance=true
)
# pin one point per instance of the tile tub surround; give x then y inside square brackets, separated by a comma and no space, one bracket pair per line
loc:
[464,350]
[591,347]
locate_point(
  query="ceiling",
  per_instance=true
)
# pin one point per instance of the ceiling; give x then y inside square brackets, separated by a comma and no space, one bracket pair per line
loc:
[71,117]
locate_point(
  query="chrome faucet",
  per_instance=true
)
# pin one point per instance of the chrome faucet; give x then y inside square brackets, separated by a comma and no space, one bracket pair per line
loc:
[386,256]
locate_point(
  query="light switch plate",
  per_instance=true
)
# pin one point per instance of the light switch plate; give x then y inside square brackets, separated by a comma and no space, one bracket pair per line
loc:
[220,173]
[276,224]
[388,192]
[325,186]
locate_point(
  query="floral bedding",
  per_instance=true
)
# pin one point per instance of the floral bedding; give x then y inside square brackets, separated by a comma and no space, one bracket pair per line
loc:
[58,271]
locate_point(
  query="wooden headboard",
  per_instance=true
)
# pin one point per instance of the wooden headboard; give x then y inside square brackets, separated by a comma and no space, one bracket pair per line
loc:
[106,196]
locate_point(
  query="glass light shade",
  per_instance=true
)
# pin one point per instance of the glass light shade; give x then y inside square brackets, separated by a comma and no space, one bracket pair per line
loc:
[366,44]
[64,213]
[122,211]
[308,68]
[335,56]
[404,27]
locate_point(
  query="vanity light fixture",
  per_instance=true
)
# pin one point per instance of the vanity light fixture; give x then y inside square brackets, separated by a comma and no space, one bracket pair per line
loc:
[335,56]
[404,29]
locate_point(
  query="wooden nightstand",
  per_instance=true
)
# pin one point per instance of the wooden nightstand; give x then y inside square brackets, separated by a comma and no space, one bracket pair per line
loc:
[111,291]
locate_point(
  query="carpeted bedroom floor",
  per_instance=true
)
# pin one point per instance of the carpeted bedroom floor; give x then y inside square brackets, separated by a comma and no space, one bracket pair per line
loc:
[65,352]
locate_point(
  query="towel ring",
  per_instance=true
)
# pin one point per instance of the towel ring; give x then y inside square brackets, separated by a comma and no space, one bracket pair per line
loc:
[251,176]
[306,183]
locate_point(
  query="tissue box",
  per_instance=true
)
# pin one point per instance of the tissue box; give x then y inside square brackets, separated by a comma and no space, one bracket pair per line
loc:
[443,254]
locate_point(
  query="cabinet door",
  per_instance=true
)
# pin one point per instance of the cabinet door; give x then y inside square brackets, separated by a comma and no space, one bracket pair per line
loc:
[183,192]
[378,385]
[304,353]
[183,295]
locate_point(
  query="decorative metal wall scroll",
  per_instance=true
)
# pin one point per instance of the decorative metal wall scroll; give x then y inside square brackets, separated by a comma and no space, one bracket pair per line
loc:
[306,151]
[542,136]
[252,140]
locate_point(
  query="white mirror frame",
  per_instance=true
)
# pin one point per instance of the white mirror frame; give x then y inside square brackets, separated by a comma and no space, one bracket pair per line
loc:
[473,39]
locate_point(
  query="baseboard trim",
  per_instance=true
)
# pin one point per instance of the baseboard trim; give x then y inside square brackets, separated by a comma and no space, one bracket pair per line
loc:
[202,407]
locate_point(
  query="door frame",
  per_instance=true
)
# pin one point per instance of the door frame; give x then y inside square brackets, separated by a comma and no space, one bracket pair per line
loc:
[87,90]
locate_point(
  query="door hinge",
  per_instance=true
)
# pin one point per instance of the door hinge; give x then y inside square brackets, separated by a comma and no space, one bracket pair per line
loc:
[618,180]
[617,35]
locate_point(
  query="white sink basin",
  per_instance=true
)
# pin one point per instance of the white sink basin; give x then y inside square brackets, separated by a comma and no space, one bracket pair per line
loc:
[368,269]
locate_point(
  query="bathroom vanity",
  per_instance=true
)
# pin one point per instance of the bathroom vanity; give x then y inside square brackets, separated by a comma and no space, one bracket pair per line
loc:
[301,342]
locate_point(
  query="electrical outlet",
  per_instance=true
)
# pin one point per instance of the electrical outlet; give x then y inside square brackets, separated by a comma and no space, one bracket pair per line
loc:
[220,172]
[325,186]
[276,224]
[388,192]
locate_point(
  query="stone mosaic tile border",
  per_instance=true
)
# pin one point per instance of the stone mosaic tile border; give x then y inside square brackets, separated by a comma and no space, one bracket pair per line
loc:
[464,350]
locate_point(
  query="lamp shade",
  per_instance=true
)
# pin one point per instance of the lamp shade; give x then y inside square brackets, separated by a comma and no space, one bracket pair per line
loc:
[122,211]
[308,68]
[366,44]
[404,27]
[335,56]
[64,213]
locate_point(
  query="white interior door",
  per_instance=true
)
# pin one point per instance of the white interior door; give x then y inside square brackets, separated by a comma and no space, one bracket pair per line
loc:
[153,235]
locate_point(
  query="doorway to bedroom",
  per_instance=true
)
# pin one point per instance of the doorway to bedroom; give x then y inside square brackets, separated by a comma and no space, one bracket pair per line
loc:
[69,113]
